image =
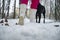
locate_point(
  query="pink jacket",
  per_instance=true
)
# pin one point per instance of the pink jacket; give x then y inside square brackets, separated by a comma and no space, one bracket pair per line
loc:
[33,5]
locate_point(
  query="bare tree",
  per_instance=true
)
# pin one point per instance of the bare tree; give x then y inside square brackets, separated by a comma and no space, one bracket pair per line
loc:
[14,9]
[52,9]
[57,10]
[8,8]
[3,4]
[0,6]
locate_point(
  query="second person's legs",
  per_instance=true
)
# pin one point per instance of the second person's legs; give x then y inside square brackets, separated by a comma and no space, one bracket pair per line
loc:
[23,5]
[33,10]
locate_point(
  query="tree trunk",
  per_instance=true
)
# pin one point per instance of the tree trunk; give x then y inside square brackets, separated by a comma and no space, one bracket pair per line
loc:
[57,10]
[0,6]
[3,3]
[14,9]
[8,8]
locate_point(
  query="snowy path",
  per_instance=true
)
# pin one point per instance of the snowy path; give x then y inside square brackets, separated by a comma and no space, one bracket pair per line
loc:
[30,31]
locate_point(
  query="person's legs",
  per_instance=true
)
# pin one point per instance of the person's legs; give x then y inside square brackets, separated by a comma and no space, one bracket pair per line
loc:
[33,10]
[44,16]
[36,17]
[23,5]
[39,17]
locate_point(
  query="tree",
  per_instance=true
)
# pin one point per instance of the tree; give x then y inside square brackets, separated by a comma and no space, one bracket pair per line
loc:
[8,8]
[57,10]
[0,6]
[3,4]
[52,9]
[14,9]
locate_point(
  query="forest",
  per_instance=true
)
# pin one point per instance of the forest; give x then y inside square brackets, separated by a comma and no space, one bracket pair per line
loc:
[52,8]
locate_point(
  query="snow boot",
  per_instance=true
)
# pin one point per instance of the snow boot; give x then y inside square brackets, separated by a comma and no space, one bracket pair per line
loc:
[21,20]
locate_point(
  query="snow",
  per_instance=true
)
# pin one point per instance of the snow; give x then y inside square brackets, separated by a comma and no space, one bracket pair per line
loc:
[30,31]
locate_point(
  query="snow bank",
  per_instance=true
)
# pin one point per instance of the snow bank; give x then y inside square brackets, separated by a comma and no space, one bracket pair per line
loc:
[30,31]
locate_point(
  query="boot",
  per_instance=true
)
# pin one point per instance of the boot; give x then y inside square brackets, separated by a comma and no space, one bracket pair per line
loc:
[21,20]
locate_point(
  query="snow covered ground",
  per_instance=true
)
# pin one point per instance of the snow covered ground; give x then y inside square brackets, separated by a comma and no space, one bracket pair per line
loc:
[30,31]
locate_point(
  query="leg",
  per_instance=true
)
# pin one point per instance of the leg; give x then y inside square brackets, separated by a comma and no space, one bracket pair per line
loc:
[23,5]
[36,17]
[33,10]
[39,18]
[44,16]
